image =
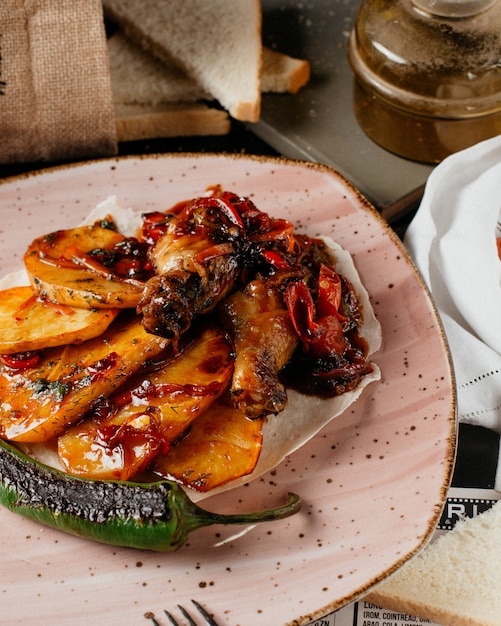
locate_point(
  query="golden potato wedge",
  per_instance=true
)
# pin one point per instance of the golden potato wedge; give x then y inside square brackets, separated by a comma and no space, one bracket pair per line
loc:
[62,270]
[38,400]
[149,412]
[221,445]
[29,323]
[113,449]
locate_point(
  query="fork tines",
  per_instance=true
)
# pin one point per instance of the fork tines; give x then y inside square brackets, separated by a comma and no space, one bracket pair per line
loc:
[209,620]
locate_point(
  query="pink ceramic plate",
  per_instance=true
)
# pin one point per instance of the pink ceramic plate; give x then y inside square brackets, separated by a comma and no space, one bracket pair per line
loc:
[373,481]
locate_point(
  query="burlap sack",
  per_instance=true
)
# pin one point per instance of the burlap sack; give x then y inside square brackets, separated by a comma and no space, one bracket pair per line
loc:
[55,91]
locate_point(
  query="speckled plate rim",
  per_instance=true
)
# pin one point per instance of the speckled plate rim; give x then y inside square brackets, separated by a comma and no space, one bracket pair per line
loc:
[365,207]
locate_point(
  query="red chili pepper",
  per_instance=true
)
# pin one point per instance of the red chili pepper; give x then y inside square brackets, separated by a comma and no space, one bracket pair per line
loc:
[329,293]
[330,339]
[276,259]
[256,221]
[278,230]
[128,267]
[154,226]
[222,203]
[20,360]
[301,309]
[322,335]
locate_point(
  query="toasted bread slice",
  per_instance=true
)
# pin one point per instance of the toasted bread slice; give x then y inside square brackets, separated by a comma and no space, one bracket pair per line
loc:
[455,580]
[282,73]
[153,98]
[138,78]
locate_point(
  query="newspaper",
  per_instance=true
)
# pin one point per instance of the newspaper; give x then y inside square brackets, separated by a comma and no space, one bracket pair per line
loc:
[460,503]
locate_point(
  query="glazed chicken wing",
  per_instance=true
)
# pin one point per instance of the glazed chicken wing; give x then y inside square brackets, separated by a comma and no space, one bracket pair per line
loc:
[264,340]
[210,245]
[196,263]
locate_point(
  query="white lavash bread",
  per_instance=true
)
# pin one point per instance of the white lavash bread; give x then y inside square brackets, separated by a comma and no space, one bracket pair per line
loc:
[217,43]
[456,580]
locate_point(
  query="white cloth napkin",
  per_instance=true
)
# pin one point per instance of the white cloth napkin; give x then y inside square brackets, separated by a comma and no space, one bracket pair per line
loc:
[452,240]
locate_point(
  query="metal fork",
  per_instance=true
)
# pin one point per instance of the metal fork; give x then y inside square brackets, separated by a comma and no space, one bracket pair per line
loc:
[209,621]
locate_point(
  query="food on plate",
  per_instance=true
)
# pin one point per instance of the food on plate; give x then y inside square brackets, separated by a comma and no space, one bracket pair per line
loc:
[221,442]
[206,249]
[124,431]
[58,386]
[264,339]
[28,322]
[197,261]
[196,380]
[150,516]
[89,266]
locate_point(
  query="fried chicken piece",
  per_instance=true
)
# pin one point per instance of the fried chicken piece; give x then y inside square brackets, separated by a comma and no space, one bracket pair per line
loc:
[264,340]
[196,263]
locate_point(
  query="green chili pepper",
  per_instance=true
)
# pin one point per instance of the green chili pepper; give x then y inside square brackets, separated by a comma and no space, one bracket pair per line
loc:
[151,516]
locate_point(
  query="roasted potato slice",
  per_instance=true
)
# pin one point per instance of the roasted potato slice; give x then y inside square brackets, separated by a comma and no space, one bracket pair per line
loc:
[114,449]
[77,267]
[149,412]
[220,446]
[38,400]
[28,322]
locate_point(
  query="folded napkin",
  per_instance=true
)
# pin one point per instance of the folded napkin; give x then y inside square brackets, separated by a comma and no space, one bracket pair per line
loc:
[452,240]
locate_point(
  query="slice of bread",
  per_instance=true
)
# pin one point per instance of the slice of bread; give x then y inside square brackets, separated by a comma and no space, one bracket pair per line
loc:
[137,77]
[136,121]
[155,99]
[217,43]
[282,73]
[456,580]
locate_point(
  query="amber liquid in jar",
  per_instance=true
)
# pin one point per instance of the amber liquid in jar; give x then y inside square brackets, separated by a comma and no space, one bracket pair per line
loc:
[426,85]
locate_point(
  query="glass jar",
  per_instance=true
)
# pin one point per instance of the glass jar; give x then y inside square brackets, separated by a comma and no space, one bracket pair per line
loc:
[427,74]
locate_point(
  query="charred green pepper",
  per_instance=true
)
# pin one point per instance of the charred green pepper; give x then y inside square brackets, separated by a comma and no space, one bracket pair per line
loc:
[151,516]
